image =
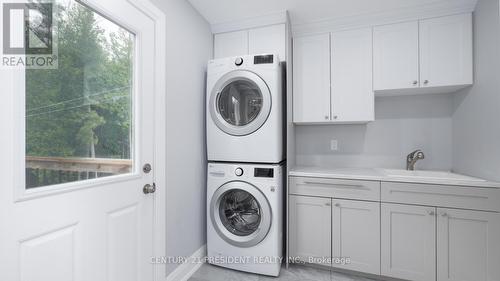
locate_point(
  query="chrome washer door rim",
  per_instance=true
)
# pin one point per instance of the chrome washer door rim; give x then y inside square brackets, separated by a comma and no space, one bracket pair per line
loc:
[265,224]
[261,118]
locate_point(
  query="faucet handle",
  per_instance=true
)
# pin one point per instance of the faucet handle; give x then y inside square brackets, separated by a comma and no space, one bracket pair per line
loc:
[420,155]
[417,153]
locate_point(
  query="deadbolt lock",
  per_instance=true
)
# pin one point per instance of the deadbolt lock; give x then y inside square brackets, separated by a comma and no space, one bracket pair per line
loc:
[146,168]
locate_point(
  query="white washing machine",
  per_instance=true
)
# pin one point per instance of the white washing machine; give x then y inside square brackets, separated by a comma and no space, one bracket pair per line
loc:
[245,109]
[244,217]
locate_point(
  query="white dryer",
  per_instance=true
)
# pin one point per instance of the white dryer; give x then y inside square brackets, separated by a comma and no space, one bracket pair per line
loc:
[245,109]
[244,217]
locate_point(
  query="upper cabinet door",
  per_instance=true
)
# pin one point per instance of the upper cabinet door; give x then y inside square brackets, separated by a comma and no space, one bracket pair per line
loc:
[269,39]
[468,245]
[231,44]
[395,56]
[446,51]
[311,78]
[352,88]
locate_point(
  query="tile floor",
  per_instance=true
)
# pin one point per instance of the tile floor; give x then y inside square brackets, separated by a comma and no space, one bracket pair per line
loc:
[293,273]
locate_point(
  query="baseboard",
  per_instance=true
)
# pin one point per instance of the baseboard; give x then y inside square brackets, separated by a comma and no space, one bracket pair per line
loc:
[185,270]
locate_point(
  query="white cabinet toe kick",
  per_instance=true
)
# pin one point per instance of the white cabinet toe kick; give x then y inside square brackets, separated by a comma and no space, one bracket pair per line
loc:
[410,231]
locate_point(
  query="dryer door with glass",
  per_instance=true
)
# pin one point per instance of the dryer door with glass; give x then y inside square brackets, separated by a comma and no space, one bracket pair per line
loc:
[240,103]
[240,214]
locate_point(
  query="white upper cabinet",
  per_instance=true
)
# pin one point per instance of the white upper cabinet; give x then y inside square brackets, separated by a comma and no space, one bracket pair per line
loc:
[230,44]
[269,39]
[262,40]
[311,78]
[426,56]
[468,245]
[446,51]
[332,81]
[351,76]
[395,56]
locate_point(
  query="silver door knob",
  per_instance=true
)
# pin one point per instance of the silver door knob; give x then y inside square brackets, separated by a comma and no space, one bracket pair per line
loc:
[149,188]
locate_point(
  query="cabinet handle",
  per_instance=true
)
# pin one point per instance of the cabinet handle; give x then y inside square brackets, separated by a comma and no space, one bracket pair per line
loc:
[336,185]
[335,117]
[426,82]
[415,82]
[431,213]
[337,204]
[328,204]
[444,214]
[326,117]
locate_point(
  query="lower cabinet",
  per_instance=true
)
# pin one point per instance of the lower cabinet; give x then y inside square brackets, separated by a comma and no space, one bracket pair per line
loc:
[310,227]
[356,235]
[419,243]
[417,232]
[408,244]
[468,245]
[346,232]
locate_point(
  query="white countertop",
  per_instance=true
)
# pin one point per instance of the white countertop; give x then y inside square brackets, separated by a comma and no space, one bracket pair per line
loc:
[378,174]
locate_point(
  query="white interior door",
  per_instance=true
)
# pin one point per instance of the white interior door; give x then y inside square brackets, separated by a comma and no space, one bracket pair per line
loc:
[74,143]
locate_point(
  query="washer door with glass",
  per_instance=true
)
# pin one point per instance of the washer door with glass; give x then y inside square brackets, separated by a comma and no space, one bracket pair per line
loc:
[240,103]
[240,214]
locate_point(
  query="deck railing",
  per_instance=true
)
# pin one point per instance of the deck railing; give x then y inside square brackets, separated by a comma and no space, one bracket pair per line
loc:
[42,171]
[96,165]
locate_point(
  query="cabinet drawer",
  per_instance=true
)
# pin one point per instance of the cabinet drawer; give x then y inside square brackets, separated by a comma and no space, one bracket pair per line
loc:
[335,188]
[475,198]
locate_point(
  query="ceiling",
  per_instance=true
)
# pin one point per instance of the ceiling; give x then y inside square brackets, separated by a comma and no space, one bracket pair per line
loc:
[301,11]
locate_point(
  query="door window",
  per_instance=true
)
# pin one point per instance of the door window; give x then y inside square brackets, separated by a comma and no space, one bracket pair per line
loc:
[239,212]
[240,102]
[79,116]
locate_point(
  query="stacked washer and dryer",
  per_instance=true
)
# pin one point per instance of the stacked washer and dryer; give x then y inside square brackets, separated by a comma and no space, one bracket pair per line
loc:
[245,175]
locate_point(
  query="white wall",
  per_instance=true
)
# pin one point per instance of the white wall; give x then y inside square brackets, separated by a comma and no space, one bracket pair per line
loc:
[476,121]
[402,124]
[189,47]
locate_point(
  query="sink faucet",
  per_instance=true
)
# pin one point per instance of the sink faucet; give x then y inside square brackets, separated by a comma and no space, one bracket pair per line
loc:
[412,159]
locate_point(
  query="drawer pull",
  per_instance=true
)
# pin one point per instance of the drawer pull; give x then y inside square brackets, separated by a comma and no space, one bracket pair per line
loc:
[438,194]
[335,185]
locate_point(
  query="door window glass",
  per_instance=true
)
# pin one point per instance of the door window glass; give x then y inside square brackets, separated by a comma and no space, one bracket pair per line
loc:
[79,116]
[240,102]
[239,212]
